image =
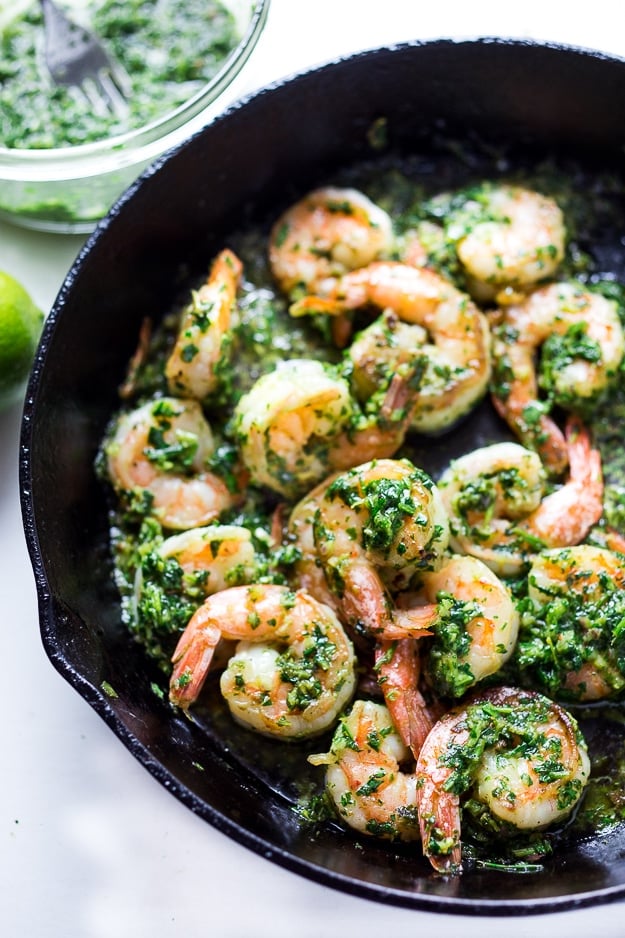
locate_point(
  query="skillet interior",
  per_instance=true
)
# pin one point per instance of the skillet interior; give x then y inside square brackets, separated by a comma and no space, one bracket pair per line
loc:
[540,100]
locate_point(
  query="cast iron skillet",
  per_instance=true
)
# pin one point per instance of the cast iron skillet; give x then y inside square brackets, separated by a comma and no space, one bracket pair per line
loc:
[539,99]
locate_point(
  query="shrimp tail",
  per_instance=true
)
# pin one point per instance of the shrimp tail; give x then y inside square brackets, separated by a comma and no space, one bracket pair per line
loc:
[439,808]
[341,321]
[341,328]
[129,384]
[565,517]
[399,668]
[413,623]
[396,406]
[381,438]
[192,659]
[584,459]
[614,540]
[311,305]
[366,605]
[546,437]
[439,822]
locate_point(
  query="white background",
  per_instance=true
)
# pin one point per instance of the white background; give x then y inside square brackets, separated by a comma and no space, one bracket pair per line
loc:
[90,845]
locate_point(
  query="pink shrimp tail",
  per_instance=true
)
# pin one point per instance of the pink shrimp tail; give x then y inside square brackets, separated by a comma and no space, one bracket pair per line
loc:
[614,540]
[399,669]
[585,484]
[439,810]
[341,328]
[552,446]
[415,622]
[192,658]
[445,809]
[381,439]
[365,602]
[584,459]
[312,305]
[565,517]
[397,401]
[553,451]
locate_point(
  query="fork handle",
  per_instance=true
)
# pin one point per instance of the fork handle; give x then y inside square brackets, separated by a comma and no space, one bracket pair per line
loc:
[58,27]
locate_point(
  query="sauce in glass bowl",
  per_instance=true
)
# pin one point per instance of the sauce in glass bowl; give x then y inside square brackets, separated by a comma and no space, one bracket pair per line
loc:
[61,166]
[168,48]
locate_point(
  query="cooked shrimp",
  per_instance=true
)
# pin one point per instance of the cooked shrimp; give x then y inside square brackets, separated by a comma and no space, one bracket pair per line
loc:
[474,631]
[161,450]
[308,571]
[515,751]
[299,422]
[380,349]
[367,774]
[508,238]
[584,569]
[485,492]
[173,578]
[293,670]
[582,344]
[476,628]
[457,351]
[203,331]
[285,422]
[223,553]
[497,509]
[375,528]
[329,232]
[570,642]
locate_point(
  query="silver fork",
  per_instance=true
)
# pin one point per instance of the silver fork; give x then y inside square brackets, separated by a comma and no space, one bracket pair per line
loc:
[76,58]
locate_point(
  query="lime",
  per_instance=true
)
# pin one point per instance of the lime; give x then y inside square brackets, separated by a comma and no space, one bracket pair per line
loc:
[20,327]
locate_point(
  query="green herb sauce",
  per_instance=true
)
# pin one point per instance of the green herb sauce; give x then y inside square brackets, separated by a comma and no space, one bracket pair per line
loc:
[551,640]
[169,48]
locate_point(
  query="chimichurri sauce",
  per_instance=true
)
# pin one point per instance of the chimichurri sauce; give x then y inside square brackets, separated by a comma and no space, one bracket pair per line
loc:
[414,192]
[169,49]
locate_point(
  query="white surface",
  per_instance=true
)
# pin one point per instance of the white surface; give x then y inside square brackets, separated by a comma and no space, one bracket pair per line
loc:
[92,846]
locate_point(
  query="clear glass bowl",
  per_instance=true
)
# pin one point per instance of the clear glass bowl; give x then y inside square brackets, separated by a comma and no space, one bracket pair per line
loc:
[68,189]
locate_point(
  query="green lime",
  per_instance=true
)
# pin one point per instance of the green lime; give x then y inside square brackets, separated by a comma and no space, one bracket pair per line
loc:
[20,327]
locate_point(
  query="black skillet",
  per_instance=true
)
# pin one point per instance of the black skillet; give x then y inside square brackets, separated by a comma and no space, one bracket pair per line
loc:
[533,100]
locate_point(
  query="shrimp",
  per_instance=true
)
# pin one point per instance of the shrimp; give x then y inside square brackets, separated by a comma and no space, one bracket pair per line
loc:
[160,451]
[582,344]
[512,750]
[380,349]
[203,331]
[374,529]
[368,776]
[456,354]
[476,628]
[571,642]
[397,660]
[308,571]
[300,421]
[508,238]
[474,632]
[293,670]
[329,232]
[497,508]
[285,423]
[173,578]
[221,553]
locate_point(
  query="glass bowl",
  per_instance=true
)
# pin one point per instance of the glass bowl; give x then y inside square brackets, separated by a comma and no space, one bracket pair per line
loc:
[69,189]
